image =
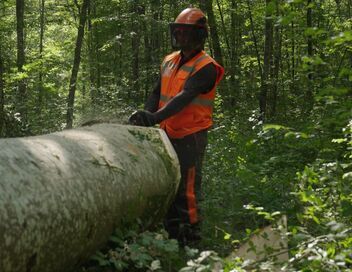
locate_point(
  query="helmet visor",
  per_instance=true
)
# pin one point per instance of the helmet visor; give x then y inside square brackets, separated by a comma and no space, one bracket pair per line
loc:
[183,36]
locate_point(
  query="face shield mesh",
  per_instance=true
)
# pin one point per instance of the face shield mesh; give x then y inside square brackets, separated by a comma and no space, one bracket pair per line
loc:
[186,37]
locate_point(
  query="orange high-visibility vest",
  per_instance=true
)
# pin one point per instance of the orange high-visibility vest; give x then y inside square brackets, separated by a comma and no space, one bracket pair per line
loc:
[198,114]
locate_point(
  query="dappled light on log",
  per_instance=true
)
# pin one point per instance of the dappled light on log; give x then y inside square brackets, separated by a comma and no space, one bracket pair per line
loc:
[63,194]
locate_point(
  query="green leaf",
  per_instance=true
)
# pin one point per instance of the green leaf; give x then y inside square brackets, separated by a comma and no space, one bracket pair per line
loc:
[339,141]
[270,7]
[296,135]
[155,265]
[275,213]
[101,259]
[347,175]
[116,240]
[275,127]
[316,219]
[227,236]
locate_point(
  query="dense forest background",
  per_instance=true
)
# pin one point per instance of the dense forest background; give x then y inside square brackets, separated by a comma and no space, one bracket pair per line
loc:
[281,143]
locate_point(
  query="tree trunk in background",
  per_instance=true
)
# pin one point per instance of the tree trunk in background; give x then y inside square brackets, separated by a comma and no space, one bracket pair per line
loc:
[268,48]
[293,57]
[98,72]
[63,194]
[236,48]
[90,44]
[207,6]
[2,95]
[309,100]
[228,92]
[76,62]
[41,46]
[93,55]
[350,67]
[338,7]
[277,61]
[155,37]
[149,35]
[21,88]
[260,69]
[165,45]
[119,54]
[223,25]
[309,25]
[137,10]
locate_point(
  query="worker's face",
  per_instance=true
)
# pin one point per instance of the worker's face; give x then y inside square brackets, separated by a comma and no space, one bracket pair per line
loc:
[183,37]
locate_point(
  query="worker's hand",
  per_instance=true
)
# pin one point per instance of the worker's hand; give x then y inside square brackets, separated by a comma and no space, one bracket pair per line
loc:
[142,118]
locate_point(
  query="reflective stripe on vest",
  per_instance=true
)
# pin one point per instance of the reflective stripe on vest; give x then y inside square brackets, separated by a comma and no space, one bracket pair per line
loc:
[196,101]
[197,115]
[167,64]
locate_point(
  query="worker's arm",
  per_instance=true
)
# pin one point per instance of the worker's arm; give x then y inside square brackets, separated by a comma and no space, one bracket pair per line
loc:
[201,82]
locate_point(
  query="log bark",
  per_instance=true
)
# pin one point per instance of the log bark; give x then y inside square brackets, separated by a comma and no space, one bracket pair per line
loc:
[63,194]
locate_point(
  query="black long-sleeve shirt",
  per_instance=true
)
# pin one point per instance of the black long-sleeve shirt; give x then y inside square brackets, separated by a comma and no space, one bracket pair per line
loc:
[202,81]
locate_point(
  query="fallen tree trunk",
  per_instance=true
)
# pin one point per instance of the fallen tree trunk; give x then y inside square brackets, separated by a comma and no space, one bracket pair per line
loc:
[63,194]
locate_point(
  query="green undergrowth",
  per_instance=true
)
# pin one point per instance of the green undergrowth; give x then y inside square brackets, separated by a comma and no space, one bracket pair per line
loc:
[253,174]
[250,181]
[301,170]
[131,248]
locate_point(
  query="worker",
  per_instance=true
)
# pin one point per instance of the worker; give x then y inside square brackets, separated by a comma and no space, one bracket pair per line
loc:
[182,103]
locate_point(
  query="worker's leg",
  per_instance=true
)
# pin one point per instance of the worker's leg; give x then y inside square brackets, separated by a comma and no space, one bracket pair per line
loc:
[183,218]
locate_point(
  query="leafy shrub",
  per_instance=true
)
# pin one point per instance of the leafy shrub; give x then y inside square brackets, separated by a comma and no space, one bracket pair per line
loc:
[134,250]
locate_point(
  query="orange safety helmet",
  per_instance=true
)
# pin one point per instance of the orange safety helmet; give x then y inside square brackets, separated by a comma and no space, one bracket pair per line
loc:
[189,30]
